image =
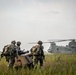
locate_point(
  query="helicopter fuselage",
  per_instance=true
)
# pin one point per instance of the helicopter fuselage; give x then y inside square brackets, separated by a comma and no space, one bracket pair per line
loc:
[61,49]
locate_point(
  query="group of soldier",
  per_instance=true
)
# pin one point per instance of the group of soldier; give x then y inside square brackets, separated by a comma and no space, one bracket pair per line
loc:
[13,50]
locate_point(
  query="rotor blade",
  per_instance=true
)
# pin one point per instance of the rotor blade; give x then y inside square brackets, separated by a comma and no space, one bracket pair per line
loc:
[46,42]
[54,40]
[61,40]
[36,42]
[58,40]
[33,43]
[69,39]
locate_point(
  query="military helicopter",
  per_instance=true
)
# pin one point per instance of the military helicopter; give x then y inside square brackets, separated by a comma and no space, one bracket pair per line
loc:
[69,49]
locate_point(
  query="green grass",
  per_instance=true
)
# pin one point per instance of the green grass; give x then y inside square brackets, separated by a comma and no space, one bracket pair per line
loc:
[57,64]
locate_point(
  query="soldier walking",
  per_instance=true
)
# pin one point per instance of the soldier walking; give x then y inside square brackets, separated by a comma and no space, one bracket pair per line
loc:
[39,54]
[13,54]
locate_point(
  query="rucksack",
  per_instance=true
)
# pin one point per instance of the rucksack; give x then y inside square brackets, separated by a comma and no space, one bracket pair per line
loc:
[40,51]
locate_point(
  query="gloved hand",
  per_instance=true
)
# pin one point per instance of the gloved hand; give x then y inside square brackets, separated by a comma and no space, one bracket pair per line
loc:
[27,51]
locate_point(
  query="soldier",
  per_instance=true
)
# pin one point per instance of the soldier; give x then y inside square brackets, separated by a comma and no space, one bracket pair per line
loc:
[13,54]
[18,45]
[21,52]
[39,54]
[19,49]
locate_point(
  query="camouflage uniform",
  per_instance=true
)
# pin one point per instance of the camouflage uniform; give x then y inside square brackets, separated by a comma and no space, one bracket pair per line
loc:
[5,53]
[39,54]
[21,52]
[19,49]
[13,53]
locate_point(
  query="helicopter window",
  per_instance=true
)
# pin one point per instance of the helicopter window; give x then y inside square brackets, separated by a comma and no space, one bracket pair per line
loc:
[57,49]
[69,50]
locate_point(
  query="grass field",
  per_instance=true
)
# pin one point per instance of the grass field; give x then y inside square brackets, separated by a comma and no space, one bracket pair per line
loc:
[55,64]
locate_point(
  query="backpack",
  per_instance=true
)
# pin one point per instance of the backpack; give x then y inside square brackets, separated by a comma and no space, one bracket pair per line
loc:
[39,51]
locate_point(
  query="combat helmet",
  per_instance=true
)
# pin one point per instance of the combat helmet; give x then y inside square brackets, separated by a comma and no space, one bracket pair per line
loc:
[18,43]
[40,42]
[13,42]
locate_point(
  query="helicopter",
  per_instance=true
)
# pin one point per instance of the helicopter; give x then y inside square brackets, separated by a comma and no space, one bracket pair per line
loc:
[69,49]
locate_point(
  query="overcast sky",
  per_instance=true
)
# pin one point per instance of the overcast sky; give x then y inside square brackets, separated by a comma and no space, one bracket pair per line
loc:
[33,20]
